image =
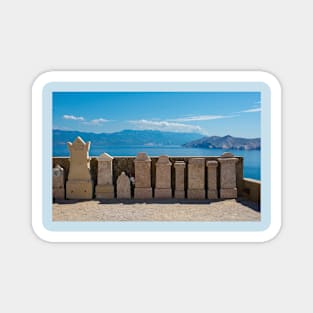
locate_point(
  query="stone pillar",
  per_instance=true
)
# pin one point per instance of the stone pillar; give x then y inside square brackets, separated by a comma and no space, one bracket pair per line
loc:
[179,179]
[163,182]
[212,179]
[196,178]
[228,187]
[123,187]
[105,188]
[79,184]
[58,183]
[143,188]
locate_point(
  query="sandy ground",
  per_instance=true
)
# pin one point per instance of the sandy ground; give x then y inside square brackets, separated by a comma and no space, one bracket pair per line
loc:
[170,210]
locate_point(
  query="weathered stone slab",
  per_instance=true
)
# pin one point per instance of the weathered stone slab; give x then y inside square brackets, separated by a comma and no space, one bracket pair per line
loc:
[143,193]
[196,178]
[163,188]
[212,179]
[79,184]
[196,194]
[105,169]
[143,188]
[228,187]
[78,190]
[58,183]
[179,179]
[229,193]
[105,192]
[105,188]
[123,189]
[162,193]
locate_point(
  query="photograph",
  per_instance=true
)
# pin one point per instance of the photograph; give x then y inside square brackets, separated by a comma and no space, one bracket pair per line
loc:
[156,156]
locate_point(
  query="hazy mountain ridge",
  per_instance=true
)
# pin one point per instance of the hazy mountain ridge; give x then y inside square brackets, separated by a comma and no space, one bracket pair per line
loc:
[157,138]
[226,142]
[126,137]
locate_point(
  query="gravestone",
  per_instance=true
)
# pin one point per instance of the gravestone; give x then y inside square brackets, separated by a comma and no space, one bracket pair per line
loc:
[79,184]
[179,179]
[123,190]
[143,188]
[163,181]
[58,183]
[228,184]
[196,178]
[212,179]
[105,188]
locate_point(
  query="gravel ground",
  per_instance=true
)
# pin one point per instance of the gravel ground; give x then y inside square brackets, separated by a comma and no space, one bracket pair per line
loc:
[170,210]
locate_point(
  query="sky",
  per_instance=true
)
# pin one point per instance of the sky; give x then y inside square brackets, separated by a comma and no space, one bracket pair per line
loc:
[208,113]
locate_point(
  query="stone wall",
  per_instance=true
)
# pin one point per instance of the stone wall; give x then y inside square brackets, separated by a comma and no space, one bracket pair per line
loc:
[126,164]
[252,189]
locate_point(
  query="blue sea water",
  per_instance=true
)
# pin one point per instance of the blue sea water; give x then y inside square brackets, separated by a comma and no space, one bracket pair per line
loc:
[252,158]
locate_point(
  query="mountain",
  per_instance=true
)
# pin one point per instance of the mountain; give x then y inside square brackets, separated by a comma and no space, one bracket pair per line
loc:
[226,142]
[125,138]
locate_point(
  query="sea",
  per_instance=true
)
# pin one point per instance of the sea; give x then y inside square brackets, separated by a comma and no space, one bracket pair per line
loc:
[252,158]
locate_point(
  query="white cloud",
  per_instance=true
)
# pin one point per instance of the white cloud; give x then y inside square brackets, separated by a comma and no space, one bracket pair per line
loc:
[199,118]
[72,117]
[98,121]
[252,110]
[166,126]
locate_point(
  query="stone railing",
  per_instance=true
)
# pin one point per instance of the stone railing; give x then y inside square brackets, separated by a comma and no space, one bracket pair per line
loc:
[144,177]
[251,189]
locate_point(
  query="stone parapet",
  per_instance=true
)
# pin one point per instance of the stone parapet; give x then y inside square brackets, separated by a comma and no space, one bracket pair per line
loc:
[105,187]
[123,189]
[143,189]
[163,188]
[79,184]
[212,179]
[58,183]
[179,177]
[228,181]
[196,178]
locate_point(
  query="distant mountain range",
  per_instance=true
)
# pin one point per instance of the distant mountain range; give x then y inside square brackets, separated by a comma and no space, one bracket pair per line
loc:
[155,138]
[226,142]
[126,138]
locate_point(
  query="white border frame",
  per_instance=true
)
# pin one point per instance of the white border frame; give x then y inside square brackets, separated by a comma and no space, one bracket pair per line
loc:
[156,76]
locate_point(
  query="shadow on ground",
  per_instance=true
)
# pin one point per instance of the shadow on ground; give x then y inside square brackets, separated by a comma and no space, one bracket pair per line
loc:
[252,205]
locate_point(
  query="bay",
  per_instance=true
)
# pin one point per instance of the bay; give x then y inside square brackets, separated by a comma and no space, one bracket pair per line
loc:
[252,158]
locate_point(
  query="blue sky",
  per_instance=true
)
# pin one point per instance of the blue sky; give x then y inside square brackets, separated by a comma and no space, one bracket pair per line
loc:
[209,113]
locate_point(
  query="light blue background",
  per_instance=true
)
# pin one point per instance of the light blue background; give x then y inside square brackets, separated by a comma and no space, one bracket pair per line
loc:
[156,226]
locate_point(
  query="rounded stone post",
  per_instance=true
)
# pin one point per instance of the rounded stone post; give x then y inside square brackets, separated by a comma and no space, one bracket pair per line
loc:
[179,179]
[58,183]
[143,188]
[196,178]
[123,187]
[163,188]
[105,188]
[212,179]
[228,185]
[79,184]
